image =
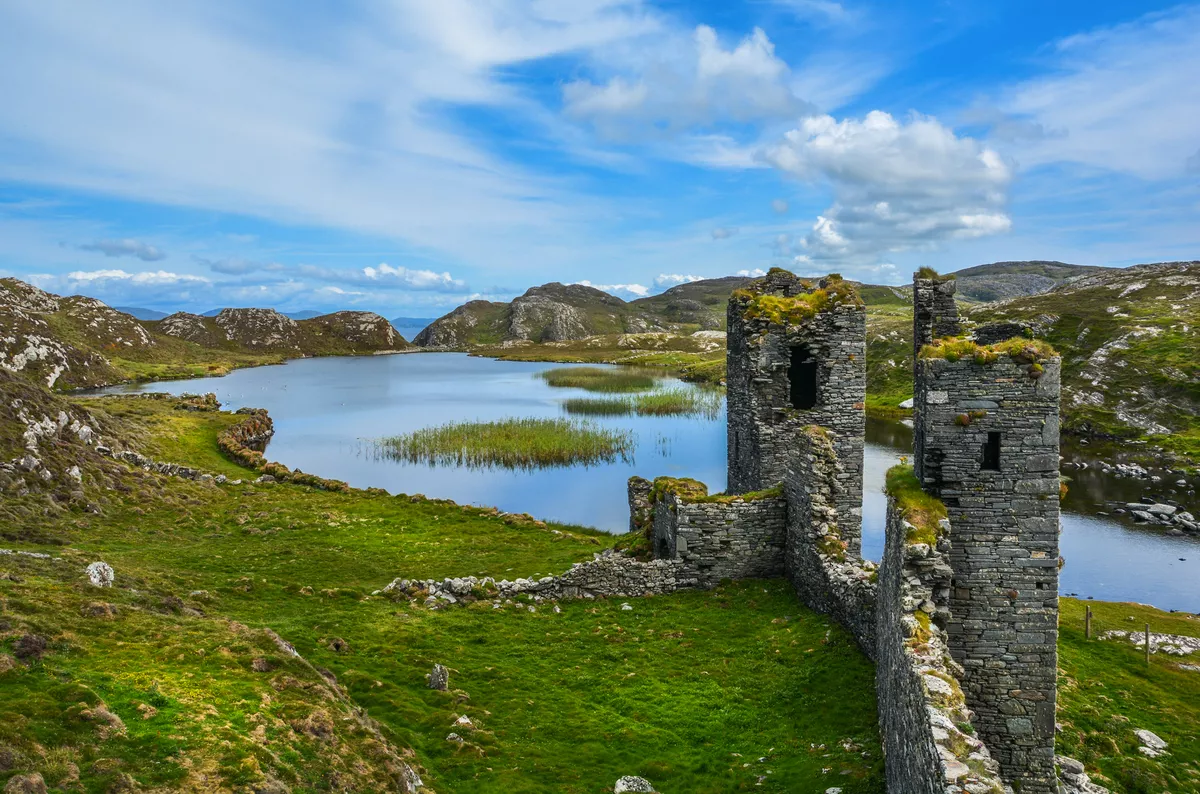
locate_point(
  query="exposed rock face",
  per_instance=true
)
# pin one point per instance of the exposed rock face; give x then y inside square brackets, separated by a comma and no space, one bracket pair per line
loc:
[259,328]
[30,347]
[360,330]
[462,326]
[190,327]
[541,319]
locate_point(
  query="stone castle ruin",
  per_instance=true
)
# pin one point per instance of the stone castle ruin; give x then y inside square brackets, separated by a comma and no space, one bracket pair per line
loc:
[961,616]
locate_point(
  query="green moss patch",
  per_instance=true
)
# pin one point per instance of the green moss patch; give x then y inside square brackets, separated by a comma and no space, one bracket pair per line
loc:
[784,310]
[1024,351]
[916,507]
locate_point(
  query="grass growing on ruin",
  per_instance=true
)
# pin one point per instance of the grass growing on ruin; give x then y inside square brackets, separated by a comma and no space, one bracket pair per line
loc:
[669,402]
[599,379]
[512,444]
[918,508]
[781,309]
[1027,351]
[1107,691]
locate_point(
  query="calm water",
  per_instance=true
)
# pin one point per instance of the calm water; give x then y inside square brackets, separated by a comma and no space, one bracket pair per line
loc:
[327,411]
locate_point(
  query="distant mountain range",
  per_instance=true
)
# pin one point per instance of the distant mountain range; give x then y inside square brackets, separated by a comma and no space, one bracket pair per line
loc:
[141,314]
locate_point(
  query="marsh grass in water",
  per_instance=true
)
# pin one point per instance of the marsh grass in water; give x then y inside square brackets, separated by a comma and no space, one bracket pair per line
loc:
[599,379]
[670,402]
[512,444]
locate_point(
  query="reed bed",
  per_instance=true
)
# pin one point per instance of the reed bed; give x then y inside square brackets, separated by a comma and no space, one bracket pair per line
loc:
[599,379]
[511,444]
[669,402]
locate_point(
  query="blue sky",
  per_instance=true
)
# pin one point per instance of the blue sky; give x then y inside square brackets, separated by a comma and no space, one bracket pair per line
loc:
[404,156]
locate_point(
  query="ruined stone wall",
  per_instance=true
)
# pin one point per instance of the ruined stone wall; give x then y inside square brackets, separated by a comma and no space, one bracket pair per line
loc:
[928,742]
[1004,599]
[935,314]
[827,577]
[641,512]
[713,540]
[762,420]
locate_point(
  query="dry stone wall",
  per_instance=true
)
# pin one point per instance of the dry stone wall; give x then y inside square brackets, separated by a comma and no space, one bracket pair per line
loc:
[1005,514]
[928,739]
[935,315]
[718,538]
[827,575]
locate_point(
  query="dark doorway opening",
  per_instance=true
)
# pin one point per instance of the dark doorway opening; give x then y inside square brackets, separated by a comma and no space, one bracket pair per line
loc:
[802,378]
[991,452]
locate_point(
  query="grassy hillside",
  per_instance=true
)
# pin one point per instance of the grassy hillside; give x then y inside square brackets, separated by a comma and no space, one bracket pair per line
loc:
[77,342]
[1129,339]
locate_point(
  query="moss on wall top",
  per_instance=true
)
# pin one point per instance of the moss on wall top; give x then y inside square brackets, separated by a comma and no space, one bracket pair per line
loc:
[783,310]
[924,512]
[930,274]
[689,490]
[1019,349]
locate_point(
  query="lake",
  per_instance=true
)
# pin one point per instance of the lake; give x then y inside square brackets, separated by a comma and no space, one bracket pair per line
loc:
[328,412]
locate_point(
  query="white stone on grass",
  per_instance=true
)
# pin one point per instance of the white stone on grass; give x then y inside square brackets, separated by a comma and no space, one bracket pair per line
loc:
[101,574]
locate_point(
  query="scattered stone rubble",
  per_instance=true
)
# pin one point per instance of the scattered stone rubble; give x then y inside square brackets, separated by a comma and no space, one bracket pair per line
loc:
[1170,644]
[608,574]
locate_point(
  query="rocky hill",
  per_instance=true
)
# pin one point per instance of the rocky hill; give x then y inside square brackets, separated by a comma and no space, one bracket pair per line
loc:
[78,342]
[1129,339]
[565,312]
[1004,280]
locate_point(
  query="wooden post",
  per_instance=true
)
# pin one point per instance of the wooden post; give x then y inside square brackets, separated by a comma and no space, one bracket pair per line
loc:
[1147,643]
[1087,624]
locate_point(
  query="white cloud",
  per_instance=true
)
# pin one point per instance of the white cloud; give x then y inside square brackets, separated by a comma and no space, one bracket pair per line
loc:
[675,85]
[637,290]
[302,123]
[415,279]
[757,272]
[144,277]
[896,185]
[724,232]
[673,279]
[1123,98]
[136,248]
[780,206]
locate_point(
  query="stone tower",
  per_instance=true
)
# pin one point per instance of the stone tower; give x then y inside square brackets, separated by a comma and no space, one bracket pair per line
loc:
[797,357]
[935,315]
[986,428]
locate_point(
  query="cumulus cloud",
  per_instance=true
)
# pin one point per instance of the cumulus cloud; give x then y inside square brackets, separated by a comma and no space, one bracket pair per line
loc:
[674,279]
[236,266]
[677,85]
[757,272]
[724,232]
[126,247]
[637,290]
[780,206]
[896,185]
[414,279]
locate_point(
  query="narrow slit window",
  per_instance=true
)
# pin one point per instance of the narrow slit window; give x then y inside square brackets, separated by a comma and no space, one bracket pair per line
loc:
[802,377]
[991,452]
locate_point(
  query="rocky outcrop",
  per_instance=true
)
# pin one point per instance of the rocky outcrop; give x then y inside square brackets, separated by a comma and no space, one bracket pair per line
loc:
[474,321]
[191,328]
[361,331]
[259,328]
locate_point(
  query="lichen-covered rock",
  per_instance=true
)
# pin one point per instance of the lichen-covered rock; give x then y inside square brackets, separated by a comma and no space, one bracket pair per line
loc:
[100,574]
[259,328]
[630,784]
[357,331]
[439,678]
